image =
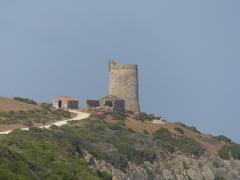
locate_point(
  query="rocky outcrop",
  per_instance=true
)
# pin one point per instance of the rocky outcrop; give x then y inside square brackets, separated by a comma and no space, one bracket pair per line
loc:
[174,167]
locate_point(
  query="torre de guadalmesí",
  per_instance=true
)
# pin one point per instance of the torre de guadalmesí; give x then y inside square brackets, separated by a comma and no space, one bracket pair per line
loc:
[123,83]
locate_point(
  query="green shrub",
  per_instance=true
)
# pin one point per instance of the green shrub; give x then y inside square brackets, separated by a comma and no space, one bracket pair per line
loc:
[235,151]
[118,160]
[180,143]
[115,126]
[25,100]
[33,116]
[192,128]
[224,153]
[104,175]
[46,106]
[28,123]
[179,130]
[143,117]
[219,178]
[162,134]
[223,138]
[228,151]
[54,160]
[145,131]
[60,150]
[118,116]
[188,146]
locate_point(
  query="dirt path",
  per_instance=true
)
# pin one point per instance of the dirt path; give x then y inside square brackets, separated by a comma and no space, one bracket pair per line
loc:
[80,116]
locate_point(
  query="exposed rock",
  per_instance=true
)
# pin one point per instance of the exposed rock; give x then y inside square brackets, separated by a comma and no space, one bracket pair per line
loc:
[180,167]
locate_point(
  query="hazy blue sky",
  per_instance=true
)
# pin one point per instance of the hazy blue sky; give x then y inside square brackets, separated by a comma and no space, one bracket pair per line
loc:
[188,54]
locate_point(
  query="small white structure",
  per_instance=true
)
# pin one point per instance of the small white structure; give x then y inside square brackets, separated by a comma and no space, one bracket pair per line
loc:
[65,102]
[159,121]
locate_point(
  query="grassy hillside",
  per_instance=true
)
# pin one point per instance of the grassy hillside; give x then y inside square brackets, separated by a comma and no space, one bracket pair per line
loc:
[7,104]
[25,112]
[40,154]
[59,153]
[28,118]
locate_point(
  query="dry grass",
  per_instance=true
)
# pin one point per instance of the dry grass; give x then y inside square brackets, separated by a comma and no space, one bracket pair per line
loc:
[7,104]
[207,142]
[10,127]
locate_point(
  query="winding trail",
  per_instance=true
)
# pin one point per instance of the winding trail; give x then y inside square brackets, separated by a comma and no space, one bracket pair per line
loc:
[80,116]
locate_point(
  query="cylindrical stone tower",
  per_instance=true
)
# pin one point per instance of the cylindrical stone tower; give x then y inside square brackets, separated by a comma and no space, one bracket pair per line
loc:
[123,82]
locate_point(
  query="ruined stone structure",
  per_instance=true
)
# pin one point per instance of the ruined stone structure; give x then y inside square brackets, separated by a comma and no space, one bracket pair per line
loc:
[112,103]
[108,103]
[92,104]
[123,83]
[65,102]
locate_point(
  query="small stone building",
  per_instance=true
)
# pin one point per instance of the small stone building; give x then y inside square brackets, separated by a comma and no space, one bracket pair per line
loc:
[65,102]
[92,104]
[112,103]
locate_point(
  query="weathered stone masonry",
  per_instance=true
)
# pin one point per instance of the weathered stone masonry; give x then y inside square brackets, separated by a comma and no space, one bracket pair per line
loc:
[123,83]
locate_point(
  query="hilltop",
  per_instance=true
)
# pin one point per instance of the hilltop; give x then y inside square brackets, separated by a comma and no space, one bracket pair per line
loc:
[23,112]
[146,126]
[120,146]
[7,104]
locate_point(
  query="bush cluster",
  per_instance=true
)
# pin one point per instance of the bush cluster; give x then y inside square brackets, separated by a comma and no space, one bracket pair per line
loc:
[25,100]
[123,141]
[37,154]
[230,150]
[60,150]
[179,130]
[144,117]
[223,138]
[41,116]
[179,143]
[119,116]
[192,128]
[219,178]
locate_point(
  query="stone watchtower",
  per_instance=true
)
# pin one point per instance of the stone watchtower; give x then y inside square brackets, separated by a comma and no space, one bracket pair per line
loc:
[123,83]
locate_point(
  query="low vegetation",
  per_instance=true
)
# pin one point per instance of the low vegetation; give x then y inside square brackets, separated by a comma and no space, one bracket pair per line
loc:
[60,150]
[223,138]
[39,154]
[230,150]
[144,117]
[179,130]
[58,153]
[29,117]
[192,128]
[118,116]
[219,178]
[177,143]
[145,131]
[25,100]
[120,141]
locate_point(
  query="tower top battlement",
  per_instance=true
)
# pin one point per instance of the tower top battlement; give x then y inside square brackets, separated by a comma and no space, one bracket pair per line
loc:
[114,65]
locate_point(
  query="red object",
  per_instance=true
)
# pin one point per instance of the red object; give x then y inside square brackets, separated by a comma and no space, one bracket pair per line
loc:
[103,114]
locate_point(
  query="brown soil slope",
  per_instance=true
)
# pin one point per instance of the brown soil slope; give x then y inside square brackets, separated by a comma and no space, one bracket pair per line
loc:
[7,104]
[208,142]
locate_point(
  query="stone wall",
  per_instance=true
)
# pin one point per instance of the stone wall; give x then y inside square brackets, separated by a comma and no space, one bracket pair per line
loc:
[123,82]
[72,104]
[65,104]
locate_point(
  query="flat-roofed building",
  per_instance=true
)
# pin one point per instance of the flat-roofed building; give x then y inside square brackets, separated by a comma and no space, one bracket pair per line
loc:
[65,102]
